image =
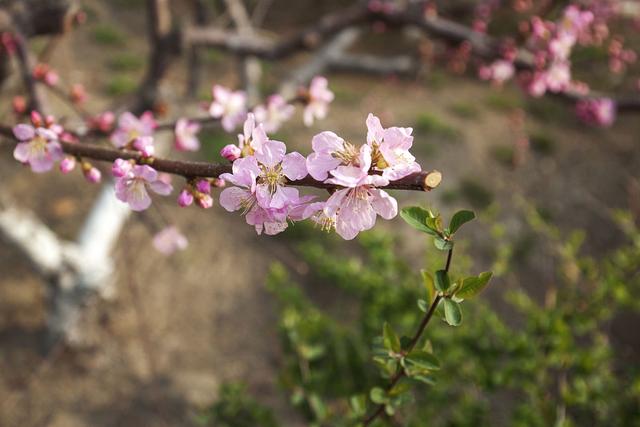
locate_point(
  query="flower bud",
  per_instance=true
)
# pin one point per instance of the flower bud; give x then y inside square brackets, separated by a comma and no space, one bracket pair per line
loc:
[219,182]
[203,186]
[19,104]
[91,174]
[67,164]
[185,198]
[230,152]
[205,201]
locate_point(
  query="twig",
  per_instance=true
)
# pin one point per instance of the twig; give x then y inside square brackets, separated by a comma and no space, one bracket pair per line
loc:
[400,373]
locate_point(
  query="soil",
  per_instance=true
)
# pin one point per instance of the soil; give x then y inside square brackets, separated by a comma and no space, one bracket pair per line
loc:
[156,352]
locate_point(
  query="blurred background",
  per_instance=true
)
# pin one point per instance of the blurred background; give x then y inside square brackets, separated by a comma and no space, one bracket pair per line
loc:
[241,330]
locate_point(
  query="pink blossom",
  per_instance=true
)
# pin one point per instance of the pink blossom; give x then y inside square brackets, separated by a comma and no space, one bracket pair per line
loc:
[169,240]
[144,144]
[186,135]
[319,99]
[355,208]
[329,152]
[253,136]
[205,201]
[133,187]
[67,164]
[597,112]
[39,147]
[558,76]
[390,149]
[230,152]
[130,127]
[274,113]
[499,71]
[259,187]
[229,106]
[103,121]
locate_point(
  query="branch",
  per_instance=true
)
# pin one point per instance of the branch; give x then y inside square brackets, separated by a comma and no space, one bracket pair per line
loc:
[421,181]
[482,45]
[414,341]
[260,47]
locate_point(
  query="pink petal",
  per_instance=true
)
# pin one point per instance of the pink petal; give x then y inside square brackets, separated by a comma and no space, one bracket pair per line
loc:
[272,153]
[294,166]
[21,152]
[161,187]
[23,132]
[375,132]
[383,204]
[327,142]
[319,165]
[232,198]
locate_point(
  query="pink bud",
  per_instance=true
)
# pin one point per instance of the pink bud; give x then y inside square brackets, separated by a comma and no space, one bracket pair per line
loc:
[203,186]
[205,201]
[36,119]
[51,78]
[67,164]
[185,198]
[219,182]
[19,104]
[93,175]
[230,152]
[144,144]
[121,167]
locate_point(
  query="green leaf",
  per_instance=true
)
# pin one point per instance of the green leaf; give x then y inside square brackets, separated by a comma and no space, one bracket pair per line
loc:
[443,245]
[378,395]
[358,404]
[427,278]
[452,312]
[472,286]
[423,305]
[460,218]
[391,340]
[417,217]
[442,281]
[423,360]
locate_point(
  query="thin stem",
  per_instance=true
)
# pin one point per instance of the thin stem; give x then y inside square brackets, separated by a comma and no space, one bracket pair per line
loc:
[414,341]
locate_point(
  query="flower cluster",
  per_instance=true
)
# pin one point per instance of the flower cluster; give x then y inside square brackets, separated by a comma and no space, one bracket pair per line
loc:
[262,170]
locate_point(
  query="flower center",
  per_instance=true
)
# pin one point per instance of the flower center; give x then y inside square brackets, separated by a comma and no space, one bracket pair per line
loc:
[38,145]
[348,155]
[272,177]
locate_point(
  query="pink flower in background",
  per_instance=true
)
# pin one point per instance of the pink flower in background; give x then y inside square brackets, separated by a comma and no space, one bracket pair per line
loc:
[132,188]
[103,121]
[39,147]
[597,112]
[131,127]
[186,135]
[558,76]
[499,71]
[274,113]
[169,240]
[229,106]
[390,149]
[319,99]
